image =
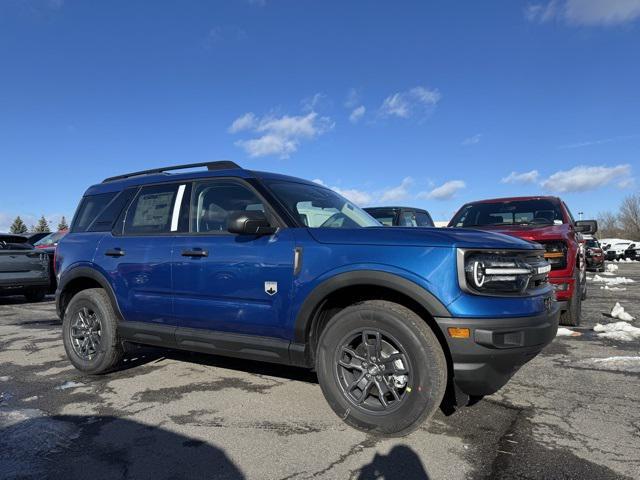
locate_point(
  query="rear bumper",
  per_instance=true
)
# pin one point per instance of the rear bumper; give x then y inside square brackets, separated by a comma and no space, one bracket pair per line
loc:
[497,348]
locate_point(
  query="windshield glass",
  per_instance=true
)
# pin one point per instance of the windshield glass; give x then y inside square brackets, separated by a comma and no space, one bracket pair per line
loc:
[51,239]
[384,215]
[519,212]
[593,244]
[319,207]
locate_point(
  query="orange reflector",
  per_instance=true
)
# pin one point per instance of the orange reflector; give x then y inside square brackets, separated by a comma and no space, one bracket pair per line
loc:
[455,332]
[554,255]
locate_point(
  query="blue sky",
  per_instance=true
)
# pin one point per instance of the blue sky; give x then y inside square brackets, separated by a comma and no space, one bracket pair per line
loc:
[420,103]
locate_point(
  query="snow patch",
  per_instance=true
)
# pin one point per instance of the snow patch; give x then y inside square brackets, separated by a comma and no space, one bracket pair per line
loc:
[613,289]
[5,378]
[613,281]
[618,312]
[621,331]
[566,332]
[69,384]
[620,364]
[611,268]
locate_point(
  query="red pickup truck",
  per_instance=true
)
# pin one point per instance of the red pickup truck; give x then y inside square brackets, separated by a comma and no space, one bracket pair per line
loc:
[544,220]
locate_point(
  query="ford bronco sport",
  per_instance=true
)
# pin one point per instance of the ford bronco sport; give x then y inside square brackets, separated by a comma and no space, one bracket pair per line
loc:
[396,321]
[548,221]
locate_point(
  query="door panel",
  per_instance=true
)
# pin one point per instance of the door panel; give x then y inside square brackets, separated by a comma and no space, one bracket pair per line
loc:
[226,291]
[140,277]
[226,282]
[138,261]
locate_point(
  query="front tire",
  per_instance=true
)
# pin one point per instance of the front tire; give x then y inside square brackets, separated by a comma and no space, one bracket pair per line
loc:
[90,334]
[381,368]
[572,316]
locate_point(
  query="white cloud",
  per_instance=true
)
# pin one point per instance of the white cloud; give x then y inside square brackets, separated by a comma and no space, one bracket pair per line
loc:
[353,98]
[357,114]
[585,12]
[445,191]
[525,177]
[472,140]
[416,101]
[359,197]
[397,193]
[311,104]
[244,122]
[582,178]
[601,141]
[279,136]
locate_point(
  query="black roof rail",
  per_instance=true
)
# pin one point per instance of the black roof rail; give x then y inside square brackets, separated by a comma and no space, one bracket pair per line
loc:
[220,165]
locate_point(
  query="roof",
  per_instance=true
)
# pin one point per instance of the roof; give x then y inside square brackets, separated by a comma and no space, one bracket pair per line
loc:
[517,199]
[396,208]
[221,169]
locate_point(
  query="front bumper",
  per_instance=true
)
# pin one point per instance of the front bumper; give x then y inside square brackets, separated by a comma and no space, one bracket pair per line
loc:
[497,348]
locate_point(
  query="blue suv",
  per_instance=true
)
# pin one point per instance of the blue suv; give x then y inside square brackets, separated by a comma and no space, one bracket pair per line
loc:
[396,321]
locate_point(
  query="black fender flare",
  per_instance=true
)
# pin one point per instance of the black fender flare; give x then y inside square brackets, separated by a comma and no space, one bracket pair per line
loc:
[85,272]
[376,278]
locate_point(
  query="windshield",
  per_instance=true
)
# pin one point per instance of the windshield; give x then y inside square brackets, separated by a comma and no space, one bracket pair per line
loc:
[319,207]
[51,239]
[518,212]
[593,244]
[384,215]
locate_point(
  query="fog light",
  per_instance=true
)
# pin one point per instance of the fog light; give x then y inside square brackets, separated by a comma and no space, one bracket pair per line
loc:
[563,287]
[455,332]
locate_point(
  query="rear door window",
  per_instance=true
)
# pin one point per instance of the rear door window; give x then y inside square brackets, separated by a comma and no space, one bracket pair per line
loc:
[152,211]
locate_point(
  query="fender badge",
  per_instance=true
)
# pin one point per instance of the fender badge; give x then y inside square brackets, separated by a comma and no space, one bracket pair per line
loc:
[271,288]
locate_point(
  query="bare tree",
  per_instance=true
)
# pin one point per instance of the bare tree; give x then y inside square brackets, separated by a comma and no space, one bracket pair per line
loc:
[608,225]
[630,216]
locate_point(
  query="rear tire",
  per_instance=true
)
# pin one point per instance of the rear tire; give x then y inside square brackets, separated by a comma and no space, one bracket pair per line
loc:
[35,294]
[90,332]
[390,392]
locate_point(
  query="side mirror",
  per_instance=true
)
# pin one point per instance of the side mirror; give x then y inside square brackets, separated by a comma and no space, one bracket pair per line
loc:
[250,222]
[587,226]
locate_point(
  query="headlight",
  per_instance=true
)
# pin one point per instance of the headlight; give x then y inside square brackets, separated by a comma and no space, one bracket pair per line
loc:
[501,272]
[556,254]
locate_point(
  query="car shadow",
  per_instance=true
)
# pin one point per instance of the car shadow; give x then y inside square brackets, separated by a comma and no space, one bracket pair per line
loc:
[21,300]
[401,463]
[68,446]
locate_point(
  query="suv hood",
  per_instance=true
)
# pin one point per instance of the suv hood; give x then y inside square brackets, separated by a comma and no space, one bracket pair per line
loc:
[418,237]
[532,234]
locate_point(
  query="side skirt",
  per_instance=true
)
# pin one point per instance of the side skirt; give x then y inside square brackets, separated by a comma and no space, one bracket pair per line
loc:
[265,349]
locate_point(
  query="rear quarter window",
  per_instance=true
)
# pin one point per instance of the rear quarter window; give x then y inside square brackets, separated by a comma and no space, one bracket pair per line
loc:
[88,210]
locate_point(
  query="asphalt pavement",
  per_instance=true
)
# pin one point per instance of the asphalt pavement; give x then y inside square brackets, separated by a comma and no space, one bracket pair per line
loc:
[168,415]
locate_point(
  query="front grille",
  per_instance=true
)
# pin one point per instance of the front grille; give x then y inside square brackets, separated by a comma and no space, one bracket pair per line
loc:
[536,261]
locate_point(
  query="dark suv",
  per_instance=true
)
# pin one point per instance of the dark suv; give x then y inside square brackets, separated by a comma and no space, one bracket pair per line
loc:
[227,261]
[401,216]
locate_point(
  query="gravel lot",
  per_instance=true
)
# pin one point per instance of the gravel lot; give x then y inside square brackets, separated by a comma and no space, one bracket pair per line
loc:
[176,415]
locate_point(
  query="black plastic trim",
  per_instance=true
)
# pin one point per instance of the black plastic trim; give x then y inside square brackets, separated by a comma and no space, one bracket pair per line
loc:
[363,278]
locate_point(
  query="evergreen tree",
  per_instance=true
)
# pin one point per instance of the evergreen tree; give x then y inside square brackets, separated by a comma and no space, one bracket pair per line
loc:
[42,226]
[63,224]
[18,226]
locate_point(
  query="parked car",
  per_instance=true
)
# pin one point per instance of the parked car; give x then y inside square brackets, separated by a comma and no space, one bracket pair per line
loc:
[394,321]
[401,216]
[48,245]
[632,252]
[23,269]
[34,237]
[51,240]
[594,254]
[548,221]
[615,248]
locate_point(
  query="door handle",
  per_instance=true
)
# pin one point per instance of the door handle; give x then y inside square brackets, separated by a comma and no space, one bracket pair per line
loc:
[114,252]
[196,252]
